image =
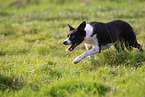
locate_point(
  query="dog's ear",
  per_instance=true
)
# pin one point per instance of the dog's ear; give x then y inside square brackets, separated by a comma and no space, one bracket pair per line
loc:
[71,28]
[82,26]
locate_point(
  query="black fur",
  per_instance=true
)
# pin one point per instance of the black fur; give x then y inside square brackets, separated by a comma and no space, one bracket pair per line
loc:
[76,36]
[113,31]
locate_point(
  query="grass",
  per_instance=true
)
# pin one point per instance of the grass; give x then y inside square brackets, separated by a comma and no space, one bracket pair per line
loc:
[33,61]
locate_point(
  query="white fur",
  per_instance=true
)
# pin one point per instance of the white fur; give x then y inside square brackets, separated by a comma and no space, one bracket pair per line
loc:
[89,30]
[91,41]
[88,47]
[88,39]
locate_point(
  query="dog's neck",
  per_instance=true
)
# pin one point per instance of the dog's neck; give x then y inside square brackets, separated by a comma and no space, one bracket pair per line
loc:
[89,31]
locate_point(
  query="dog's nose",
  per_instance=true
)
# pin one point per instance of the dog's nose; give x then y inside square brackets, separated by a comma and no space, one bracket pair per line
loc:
[65,42]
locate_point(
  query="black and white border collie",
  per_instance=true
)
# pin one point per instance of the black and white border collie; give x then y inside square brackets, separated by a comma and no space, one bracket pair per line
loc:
[98,36]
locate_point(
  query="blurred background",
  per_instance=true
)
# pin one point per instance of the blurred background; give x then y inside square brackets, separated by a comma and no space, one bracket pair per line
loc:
[23,3]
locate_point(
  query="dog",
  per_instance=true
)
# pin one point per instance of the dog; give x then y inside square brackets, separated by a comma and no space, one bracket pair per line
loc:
[99,36]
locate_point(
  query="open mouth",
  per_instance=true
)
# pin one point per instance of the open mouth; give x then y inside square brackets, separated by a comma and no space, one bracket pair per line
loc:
[72,47]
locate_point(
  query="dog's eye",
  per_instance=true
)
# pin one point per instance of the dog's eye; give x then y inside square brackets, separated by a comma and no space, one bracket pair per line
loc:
[73,36]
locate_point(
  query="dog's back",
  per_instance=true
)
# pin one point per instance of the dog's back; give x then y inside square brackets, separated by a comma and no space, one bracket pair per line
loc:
[116,30]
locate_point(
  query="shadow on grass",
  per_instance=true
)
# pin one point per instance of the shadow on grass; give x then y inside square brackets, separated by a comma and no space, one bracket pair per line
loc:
[11,83]
[15,83]
[2,53]
[78,87]
[114,58]
[2,13]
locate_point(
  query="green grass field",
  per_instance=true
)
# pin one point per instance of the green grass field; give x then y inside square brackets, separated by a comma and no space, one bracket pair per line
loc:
[33,60]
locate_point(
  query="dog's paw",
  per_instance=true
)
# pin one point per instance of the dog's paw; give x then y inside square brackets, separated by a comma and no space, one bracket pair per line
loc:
[75,62]
[77,59]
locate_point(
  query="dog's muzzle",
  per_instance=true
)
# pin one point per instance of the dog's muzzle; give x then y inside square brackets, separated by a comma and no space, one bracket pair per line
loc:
[65,43]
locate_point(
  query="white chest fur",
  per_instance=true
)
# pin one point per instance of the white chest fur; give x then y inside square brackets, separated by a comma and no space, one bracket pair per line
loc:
[93,40]
[88,39]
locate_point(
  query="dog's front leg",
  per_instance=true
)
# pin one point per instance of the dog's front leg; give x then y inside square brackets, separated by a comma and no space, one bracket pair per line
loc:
[88,47]
[85,54]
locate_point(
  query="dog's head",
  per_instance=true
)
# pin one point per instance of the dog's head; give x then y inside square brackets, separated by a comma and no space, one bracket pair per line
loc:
[75,36]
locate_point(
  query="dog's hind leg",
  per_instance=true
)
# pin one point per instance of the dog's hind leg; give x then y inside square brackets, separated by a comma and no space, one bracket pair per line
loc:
[128,47]
[140,48]
[88,47]
[136,45]
[130,39]
[119,45]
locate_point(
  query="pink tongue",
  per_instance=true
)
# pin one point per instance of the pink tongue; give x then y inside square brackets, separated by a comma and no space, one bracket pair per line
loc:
[70,47]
